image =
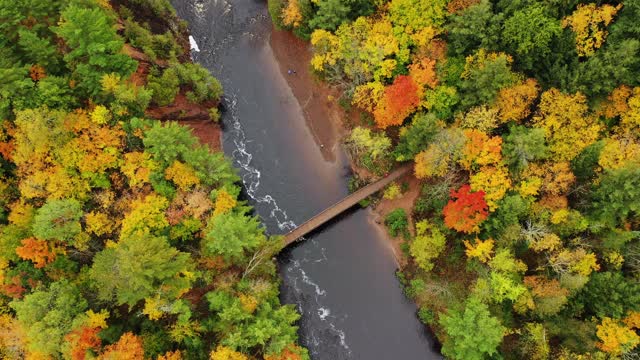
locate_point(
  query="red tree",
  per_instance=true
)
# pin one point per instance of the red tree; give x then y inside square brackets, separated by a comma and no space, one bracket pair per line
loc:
[400,99]
[466,210]
[82,340]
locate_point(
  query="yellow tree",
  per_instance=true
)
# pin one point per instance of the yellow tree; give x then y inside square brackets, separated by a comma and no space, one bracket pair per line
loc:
[494,181]
[589,23]
[630,119]
[549,297]
[95,148]
[480,150]
[137,167]
[545,242]
[431,162]
[576,261]
[225,353]
[567,123]
[146,215]
[98,223]
[171,355]
[13,338]
[514,102]
[224,202]
[182,175]
[325,50]
[21,214]
[482,118]
[128,347]
[615,337]
[556,177]
[423,72]
[361,51]
[291,14]
[619,151]
[481,249]
[368,96]
[616,103]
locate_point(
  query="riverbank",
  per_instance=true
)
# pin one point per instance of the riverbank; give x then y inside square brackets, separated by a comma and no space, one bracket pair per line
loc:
[317,100]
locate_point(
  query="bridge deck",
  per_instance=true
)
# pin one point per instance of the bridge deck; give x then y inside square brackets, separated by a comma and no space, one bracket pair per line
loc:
[342,205]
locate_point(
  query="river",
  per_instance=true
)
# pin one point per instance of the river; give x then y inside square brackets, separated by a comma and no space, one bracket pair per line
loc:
[342,277]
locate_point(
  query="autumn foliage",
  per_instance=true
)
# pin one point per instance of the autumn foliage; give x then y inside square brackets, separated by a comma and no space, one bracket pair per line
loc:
[536,106]
[40,252]
[589,23]
[480,149]
[128,347]
[399,100]
[466,210]
[83,340]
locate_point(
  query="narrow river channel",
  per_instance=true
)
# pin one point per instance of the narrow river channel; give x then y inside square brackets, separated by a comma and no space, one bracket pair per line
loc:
[342,277]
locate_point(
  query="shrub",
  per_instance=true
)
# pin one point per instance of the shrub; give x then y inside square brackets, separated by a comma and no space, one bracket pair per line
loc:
[214,114]
[165,88]
[426,316]
[414,288]
[203,86]
[397,223]
[392,191]
[275,11]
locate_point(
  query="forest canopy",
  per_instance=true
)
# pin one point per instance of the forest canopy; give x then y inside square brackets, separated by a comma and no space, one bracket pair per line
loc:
[121,236]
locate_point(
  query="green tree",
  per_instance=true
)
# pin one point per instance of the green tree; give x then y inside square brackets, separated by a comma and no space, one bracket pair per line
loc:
[164,87]
[523,145]
[608,294]
[442,101]
[49,314]
[511,210]
[268,326]
[415,137]
[39,50]
[472,333]
[529,34]
[612,65]
[535,343]
[427,245]
[232,236]
[275,11]
[203,86]
[95,47]
[397,222]
[485,74]
[618,61]
[617,197]
[137,267]
[170,142]
[474,27]
[58,220]
[332,13]
[584,165]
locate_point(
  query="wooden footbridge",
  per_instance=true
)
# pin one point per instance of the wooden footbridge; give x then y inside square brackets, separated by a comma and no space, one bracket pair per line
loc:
[342,205]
